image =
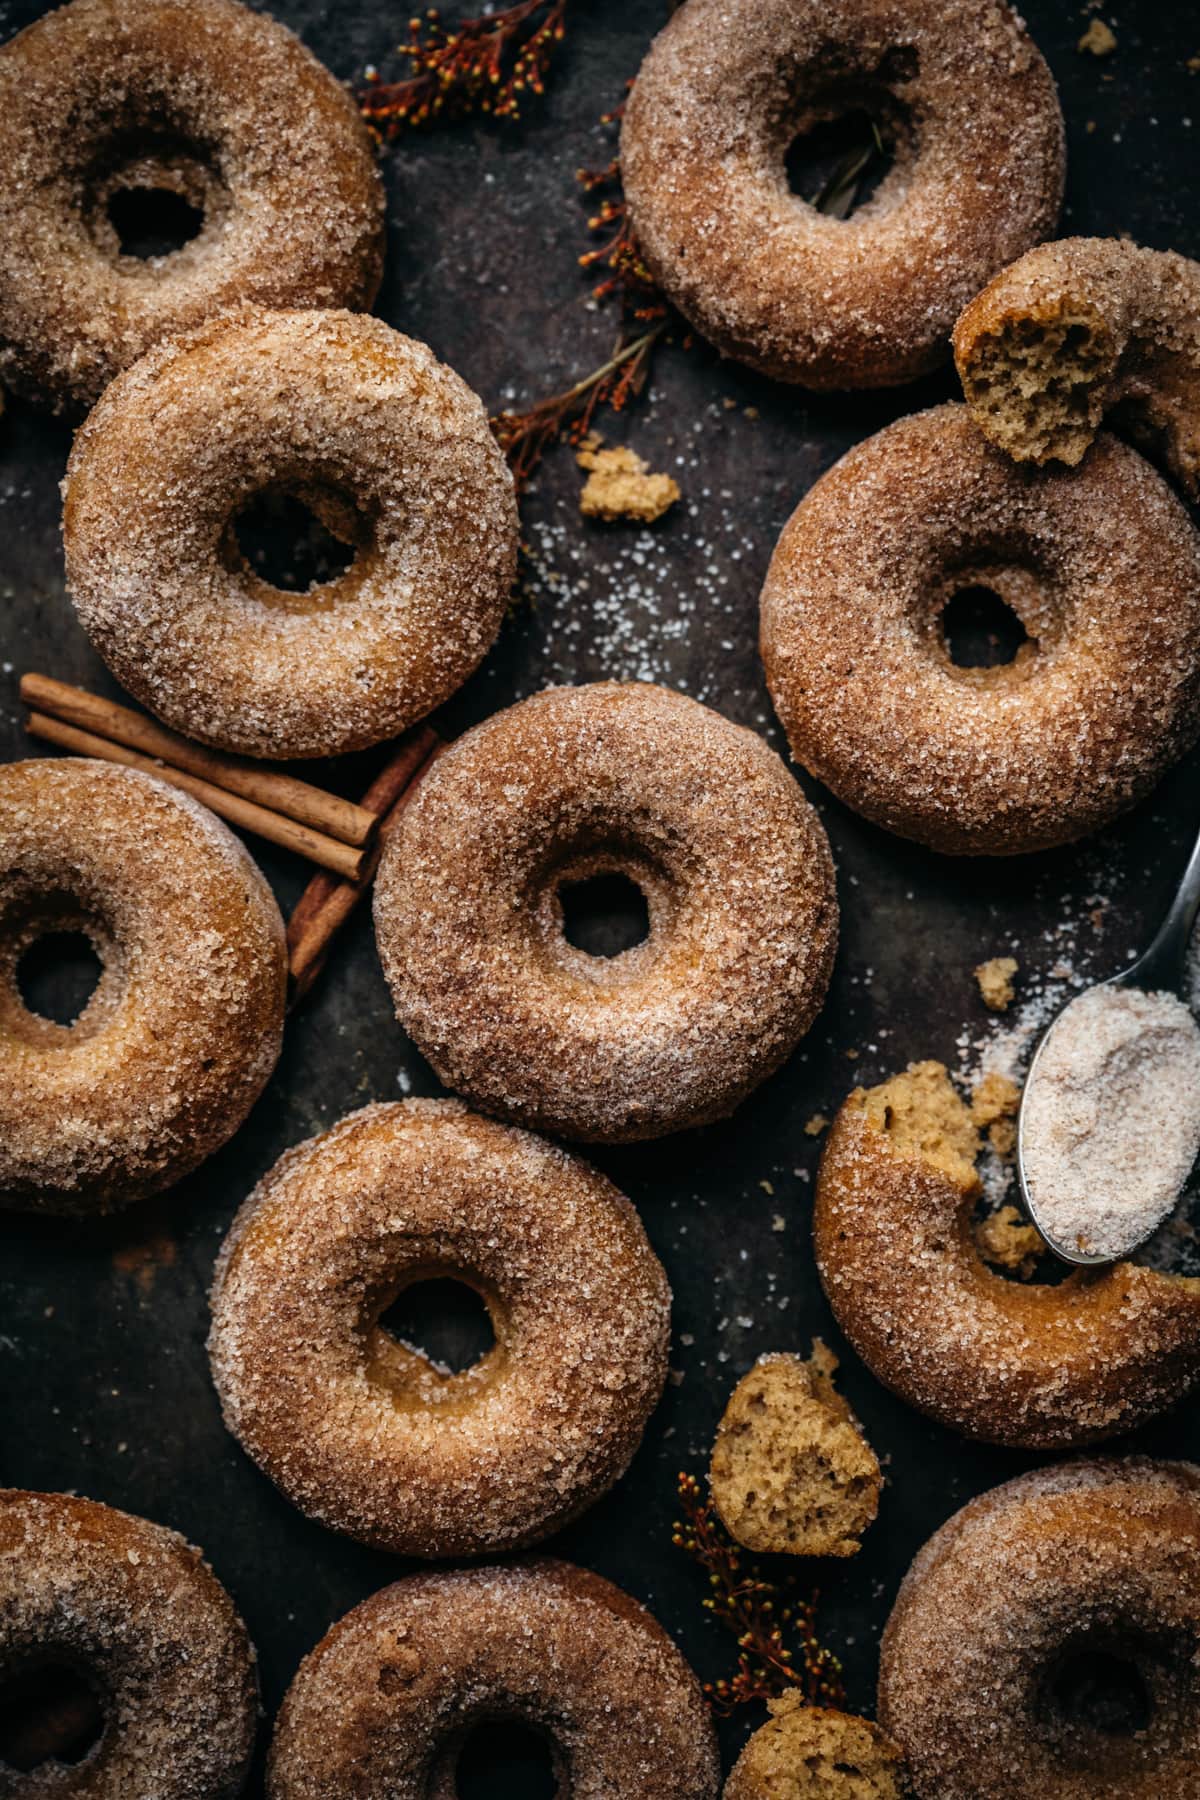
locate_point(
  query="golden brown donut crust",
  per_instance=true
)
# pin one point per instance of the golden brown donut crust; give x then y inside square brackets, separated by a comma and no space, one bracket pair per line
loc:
[1101,564]
[389,446]
[965,101]
[738,879]
[366,1434]
[199,97]
[1089,1556]
[139,1613]
[184,1027]
[1079,330]
[384,1702]
[1032,1366]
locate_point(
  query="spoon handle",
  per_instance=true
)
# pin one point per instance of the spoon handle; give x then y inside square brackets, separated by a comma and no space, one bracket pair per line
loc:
[1165,959]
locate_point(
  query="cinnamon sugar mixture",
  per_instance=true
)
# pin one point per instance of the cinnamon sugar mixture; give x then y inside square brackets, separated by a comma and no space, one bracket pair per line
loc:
[1111,1124]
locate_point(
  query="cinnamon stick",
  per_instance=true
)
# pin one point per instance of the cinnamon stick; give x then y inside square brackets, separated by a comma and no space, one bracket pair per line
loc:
[326,904]
[299,800]
[275,827]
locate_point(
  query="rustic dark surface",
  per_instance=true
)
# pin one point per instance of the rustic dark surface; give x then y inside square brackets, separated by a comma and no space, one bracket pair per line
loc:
[104,1384]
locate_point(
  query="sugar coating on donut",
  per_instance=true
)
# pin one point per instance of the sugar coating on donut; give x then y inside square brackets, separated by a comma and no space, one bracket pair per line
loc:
[815,1753]
[969,111]
[791,1470]
[387,1697]
[202,98]
[136,1610]
[609,778]
[1089,1558]
[384,441]
[1101,567]
[1025,1364]
[1079,329]
[365,1433]
[185,1024]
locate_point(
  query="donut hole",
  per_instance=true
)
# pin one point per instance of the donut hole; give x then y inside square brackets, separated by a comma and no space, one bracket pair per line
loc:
[149,195]
[605,914]
[444,1321]
[50,1713]
[58,974]
[981,630]
[838,161]
[506,1759]
[153,222]
[1100,1690]
[295,539]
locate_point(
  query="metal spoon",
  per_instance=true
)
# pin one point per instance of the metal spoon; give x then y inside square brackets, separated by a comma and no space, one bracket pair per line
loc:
[1161,968]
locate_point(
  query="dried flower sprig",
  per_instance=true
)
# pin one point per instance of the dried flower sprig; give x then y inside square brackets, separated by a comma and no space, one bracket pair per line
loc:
[762,1615]
[483,65]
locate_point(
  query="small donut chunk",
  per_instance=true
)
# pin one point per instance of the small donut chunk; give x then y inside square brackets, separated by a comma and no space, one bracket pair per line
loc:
[1079,329]
[815,1753]
[1032,1366]
[185,1024]
[202,99]
[1043,1645]
[367,1434]
[388,447]
[612,778]
[969,112]
[135,1611]
[387,1699]
[1101,566]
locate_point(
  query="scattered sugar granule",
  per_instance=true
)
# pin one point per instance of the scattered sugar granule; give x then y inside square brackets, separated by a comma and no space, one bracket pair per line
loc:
[620,486]
[1111,1120]
[995,979]
[816,1125]
[1098,40]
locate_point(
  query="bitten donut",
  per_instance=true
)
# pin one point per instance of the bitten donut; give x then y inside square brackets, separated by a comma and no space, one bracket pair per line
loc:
[199,99]
[134,1611]
[387,446]
[1033,1366]
[386,1701]
[367,1434]
[735,870]
[1099,564]
[185,1023]
[965,105]
[1044,1644]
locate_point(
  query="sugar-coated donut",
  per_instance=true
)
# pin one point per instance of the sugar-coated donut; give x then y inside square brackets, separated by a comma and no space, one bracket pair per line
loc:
[368,1435]
[1040,1367]
[200,98]
[391,450]
[1079,329]
[808,1752]
[1085,1576]
[1101,566]
[573,783]
[387,1699]
[135,1611]
[185,1024]
[968,109]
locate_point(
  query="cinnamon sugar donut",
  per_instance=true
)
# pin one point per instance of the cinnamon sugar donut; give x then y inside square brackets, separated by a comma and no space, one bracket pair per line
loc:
[1083,328]
[135,1611]
[368,1435]
[185,1024]
[580,782]
[387,1699]
[1101,566]
[1033,1366]
[964,103]
[385,444]
[1045,1644]
[197,98]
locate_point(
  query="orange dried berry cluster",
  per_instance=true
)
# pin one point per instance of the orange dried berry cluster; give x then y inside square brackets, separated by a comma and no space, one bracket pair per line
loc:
[483,65]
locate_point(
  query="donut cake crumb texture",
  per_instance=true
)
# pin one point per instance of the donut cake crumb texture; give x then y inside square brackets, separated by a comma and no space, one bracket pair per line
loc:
[136,1610]
[382,1705]
[1078,329]
[202,98]
[791,1470]
[816,1753]
[1001,1611]
[1029,1365]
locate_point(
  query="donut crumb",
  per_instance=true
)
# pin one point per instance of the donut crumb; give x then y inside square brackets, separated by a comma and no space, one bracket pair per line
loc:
[995,978]
[620,485]
[1098,40]
[814,1753]
[791,1470]
[1007,1240]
